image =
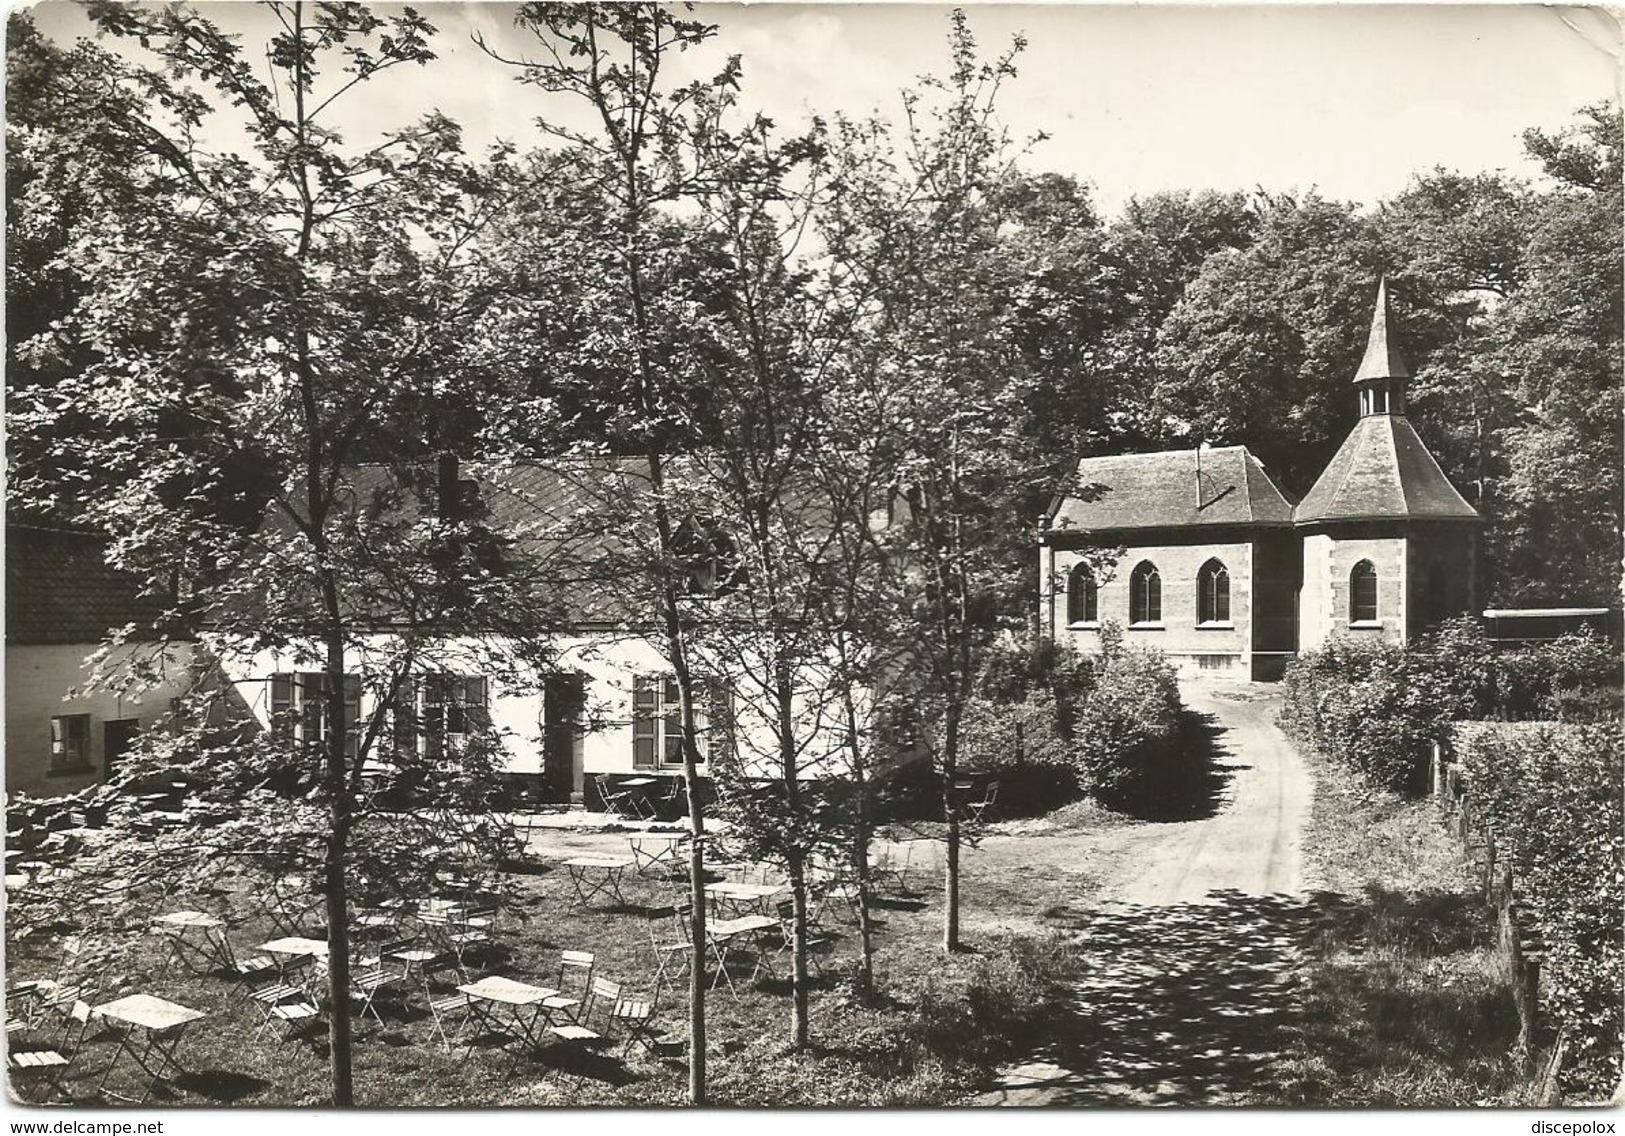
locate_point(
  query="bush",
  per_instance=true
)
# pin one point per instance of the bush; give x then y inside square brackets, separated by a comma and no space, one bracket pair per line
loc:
[1127,722]
[1553,796]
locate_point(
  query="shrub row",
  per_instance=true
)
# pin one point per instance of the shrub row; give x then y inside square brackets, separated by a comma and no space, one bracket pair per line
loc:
[1553,797]
[1378,706]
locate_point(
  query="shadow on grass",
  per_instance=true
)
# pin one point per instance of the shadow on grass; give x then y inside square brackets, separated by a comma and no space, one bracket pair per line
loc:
[221,1086]
[1185,783]
[1232,1001]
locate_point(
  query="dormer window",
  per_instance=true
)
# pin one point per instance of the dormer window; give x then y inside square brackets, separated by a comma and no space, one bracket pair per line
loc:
[708,559]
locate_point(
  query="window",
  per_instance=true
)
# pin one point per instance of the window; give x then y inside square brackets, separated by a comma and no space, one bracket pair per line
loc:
[1082,596]
[1363,593]
[70,743]
[299,708]
[454,708]
[1145,594]
[657,720]
[1213,593]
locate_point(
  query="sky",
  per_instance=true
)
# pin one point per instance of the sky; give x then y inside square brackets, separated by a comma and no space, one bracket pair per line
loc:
[1352,99]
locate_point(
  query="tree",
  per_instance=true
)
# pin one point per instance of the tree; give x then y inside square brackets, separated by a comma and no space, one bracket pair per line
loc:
[1559,337]
[238,349]
[941,343]
[633,371]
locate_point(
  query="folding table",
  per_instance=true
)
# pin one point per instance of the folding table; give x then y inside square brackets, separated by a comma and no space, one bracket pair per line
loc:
[508,1007]
[738,895]
[650,851]
[160,1024]
[196,939]
[723,933]
[590,875]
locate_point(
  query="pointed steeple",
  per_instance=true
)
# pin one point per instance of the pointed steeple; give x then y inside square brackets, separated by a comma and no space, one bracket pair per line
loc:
[1382,360]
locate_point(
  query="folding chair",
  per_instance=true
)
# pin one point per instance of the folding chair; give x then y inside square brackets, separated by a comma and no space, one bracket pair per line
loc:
[286,985]
[442,1010]
[365,985]
[624,804]
[576,1034]
[786,911]
[976,811]
[670,944]
[635,1017]
[42,1066]
[572,963]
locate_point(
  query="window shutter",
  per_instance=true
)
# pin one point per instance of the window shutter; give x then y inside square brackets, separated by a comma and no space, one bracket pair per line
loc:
[645,707]
[59,739]
[673,733]
[719,719]
[434,714]
[309,698]
[478,704]
[352,716]
[405,718]
[281,705]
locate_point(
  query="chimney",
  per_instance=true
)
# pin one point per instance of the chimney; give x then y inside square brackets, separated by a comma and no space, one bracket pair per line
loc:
[449,489]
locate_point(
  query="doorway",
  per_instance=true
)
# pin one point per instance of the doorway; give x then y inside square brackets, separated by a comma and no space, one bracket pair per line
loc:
[564,700]
[118,735]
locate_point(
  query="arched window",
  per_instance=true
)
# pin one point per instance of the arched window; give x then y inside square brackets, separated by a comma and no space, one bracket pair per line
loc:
[1363,593]
[1438,594]
[1145,594]
[1213,593]
[1082,596]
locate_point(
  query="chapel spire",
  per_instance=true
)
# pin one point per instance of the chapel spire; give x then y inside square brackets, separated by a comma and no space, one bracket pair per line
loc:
[1382,373]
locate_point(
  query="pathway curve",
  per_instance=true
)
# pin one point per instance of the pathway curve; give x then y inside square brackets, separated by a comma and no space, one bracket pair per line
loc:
[1189,952]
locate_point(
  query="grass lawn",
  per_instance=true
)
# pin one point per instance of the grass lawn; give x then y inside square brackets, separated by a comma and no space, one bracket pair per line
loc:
[1405,999]
[941,1024]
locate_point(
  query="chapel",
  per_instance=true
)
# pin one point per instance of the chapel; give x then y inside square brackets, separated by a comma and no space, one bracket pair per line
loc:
[1209,561]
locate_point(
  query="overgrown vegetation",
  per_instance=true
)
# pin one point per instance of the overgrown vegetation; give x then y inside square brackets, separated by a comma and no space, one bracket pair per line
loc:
[1405,999]
[1553,798]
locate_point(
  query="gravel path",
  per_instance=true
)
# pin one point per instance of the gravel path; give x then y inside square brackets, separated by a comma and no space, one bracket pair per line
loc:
[1190,942]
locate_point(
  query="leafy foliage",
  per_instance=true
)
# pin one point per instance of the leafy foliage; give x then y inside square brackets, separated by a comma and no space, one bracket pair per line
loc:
[1378,707]
[1533,786]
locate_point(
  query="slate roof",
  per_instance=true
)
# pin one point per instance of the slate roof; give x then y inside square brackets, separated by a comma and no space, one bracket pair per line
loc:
[1382,472]
[1381,359]
[59,589]
[1159,490]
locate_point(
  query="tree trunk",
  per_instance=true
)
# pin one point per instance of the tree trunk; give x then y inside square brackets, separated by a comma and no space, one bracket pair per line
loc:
[334,877]
[950,811]
[696,894]
[800,1015]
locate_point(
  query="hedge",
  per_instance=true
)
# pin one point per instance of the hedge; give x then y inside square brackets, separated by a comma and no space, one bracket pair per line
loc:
[1378,706]
[1553,796]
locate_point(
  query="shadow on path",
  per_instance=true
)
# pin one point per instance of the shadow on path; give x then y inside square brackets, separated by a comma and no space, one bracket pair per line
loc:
[1189,780]
[1206,1003]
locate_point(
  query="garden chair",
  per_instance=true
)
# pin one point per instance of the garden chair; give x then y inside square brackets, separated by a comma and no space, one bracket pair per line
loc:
[288,984]
[890,864]
[30,1067]
[635,1017]
[367,982]
[291,1018]
[670,944]
[976,811]
[786,911]
[624,804]
[443,1010]
[576,965]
